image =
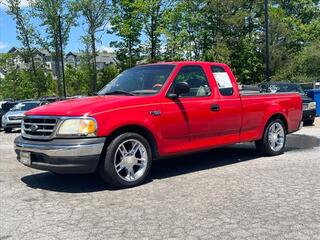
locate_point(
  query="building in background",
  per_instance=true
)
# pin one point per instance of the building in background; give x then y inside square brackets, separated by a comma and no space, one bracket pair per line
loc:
[44,59]
[103,59]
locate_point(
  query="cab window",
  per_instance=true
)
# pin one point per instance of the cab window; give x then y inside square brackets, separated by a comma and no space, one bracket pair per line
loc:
[223,81]
[196,79]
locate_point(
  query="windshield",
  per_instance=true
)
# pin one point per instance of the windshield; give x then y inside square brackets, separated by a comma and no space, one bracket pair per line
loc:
[142,80]
[276,88]
[25,106]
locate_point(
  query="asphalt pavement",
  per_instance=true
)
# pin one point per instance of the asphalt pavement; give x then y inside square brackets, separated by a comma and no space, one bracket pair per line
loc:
[225,193]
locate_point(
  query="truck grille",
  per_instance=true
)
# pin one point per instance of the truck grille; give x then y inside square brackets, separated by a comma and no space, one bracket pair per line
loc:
[38,127]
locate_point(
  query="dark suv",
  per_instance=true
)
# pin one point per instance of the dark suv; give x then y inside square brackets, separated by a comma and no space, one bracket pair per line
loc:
[309,106]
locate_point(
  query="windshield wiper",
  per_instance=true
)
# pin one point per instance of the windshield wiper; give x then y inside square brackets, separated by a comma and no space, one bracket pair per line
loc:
[119,92]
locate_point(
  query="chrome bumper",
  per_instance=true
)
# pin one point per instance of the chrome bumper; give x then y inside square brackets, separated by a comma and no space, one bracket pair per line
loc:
[61,155]
[11,123]
[79,150]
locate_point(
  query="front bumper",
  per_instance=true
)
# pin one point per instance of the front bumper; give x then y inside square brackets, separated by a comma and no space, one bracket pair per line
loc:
[62,155]
[309,114]
[6,123]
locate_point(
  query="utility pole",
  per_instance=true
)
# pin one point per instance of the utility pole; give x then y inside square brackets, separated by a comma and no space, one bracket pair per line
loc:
[61,57]
[267,54]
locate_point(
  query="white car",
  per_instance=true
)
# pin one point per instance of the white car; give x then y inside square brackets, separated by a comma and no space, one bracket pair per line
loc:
[13,118]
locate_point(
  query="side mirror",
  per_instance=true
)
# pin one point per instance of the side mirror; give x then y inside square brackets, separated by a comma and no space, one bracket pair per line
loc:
[180,88]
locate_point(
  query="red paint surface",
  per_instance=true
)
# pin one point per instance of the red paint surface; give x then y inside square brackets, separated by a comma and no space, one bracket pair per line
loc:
[185,124]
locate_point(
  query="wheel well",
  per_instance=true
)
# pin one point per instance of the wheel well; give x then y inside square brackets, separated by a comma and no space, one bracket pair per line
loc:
[281,117]
[135,129]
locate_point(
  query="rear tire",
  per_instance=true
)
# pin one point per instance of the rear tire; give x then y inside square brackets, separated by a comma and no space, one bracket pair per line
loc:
[127,161]
[7,130]
[274,139]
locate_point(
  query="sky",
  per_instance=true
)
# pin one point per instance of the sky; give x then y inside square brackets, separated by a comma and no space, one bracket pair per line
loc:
[8,35]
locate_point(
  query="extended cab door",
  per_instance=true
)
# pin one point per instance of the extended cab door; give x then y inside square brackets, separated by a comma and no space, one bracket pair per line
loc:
[230,108]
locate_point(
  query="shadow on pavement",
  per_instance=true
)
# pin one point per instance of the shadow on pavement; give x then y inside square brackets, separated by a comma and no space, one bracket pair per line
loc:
[165,168]
[83,183]
[12,131]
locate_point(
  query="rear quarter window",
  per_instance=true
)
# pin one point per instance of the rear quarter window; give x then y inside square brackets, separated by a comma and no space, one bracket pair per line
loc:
[223,81]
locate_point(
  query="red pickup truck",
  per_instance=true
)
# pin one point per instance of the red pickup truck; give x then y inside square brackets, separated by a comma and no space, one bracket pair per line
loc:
[151,112]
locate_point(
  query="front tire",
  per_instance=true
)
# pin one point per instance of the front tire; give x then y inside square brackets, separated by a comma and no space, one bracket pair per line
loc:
[274,139]
[127,161]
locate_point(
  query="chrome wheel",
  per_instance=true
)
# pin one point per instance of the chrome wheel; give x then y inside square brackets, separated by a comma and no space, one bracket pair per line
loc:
[130,160]
[276,137]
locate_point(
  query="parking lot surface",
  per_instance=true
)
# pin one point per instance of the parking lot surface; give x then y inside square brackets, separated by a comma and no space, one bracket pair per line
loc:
[226,193]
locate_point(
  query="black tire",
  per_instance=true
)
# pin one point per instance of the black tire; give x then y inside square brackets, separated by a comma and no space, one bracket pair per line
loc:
[263,145]
[308,122]
[7,130]
[107,168]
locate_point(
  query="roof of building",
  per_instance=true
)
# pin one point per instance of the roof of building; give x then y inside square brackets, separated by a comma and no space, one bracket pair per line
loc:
[102,57]
[41,51]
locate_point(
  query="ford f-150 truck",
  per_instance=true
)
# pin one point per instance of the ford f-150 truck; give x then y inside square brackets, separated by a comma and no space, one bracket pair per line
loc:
[152,112]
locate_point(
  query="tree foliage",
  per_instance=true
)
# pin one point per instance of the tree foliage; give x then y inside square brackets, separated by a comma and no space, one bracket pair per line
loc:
[18,84]
[126,22]
[162,30]
[55,16]
[95,13]
[27,35]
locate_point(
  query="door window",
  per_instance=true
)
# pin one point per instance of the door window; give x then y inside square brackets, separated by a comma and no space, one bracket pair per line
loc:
[196,79]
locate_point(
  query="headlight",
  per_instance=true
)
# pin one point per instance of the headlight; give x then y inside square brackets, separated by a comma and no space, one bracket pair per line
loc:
[312,105]
[78,127]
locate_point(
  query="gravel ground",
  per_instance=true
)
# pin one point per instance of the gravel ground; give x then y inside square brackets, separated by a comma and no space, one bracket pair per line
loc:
[227,193]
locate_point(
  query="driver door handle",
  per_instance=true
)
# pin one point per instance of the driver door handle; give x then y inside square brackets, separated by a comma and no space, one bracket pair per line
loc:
[215,108]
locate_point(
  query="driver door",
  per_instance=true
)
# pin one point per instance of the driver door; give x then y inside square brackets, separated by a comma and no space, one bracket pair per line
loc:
[190,116]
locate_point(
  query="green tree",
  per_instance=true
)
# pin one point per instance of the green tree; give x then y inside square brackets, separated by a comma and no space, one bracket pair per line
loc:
[107,74]
[19,84]
[293,25]
[184,26]
[126,23]
[95,14]
[303,67]
[77,80]
[52,14]
[152,15]
[27,35]
[217,31]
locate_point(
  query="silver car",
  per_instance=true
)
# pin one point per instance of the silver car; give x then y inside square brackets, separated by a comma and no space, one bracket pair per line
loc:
[13,118]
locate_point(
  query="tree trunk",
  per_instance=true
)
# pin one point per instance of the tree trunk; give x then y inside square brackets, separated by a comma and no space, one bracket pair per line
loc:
[152,37]
[30,58]
[130,53]
[94,63]
[57,68]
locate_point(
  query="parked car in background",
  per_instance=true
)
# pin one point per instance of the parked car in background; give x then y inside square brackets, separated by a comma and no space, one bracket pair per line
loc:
[49,99]
[12,119]
[5,106]
[151,112]
[2,112]
[309,105]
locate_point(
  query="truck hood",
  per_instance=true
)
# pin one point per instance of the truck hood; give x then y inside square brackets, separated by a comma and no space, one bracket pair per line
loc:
[83,106]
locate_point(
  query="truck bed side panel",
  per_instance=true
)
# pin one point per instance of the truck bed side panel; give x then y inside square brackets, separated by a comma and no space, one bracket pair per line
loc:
[258,109]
